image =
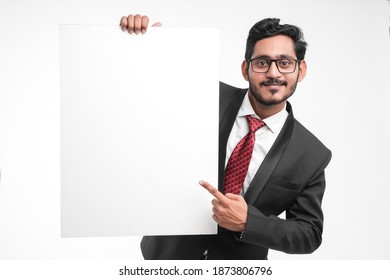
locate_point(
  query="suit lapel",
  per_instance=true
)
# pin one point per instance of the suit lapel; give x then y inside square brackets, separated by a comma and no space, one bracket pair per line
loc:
[227,118]
[271,160]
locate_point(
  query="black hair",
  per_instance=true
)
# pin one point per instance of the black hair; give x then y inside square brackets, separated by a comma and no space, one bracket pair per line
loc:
[270,27]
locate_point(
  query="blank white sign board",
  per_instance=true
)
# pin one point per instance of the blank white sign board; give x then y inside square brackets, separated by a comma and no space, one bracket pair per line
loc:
[139,129]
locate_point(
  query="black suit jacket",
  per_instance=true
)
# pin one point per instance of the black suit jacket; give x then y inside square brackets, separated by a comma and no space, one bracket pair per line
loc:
[291,178]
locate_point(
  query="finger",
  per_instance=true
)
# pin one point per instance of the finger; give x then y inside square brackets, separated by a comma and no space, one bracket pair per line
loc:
[144,24]
[157,24]
[216,203]
[137,23]
[130,24]
[123,23]
[217,194]
[215,218]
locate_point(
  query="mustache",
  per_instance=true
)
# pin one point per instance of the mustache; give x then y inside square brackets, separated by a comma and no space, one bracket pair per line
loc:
[270,82]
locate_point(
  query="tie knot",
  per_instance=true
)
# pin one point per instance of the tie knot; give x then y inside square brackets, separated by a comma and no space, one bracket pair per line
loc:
[254,123]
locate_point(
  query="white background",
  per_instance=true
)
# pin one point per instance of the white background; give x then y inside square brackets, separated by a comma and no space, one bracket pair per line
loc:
[343,100]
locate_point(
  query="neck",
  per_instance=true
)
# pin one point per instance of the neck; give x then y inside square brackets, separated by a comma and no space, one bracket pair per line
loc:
[265,111]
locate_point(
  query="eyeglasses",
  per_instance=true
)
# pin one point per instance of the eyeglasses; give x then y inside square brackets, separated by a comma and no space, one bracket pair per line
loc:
[284,65]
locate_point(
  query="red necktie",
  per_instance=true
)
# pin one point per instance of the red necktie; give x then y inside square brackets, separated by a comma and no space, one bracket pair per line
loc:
[238,163]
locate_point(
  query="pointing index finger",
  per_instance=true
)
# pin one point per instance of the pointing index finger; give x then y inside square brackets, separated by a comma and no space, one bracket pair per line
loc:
[217,194]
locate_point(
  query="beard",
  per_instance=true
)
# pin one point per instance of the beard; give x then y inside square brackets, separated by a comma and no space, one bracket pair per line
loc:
[260,99]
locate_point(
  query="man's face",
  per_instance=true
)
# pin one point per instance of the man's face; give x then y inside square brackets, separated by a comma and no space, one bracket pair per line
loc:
[273,87]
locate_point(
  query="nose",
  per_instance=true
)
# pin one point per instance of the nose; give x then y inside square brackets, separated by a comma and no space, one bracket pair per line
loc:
[273,71]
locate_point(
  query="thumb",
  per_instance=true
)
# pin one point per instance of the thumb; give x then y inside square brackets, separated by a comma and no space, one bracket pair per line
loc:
[157,24]
[233,196]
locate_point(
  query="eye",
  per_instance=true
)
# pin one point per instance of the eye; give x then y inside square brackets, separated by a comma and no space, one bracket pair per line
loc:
[285,63]
[262,62]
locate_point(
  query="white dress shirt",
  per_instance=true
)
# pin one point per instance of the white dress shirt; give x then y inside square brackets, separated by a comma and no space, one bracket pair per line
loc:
[265,137]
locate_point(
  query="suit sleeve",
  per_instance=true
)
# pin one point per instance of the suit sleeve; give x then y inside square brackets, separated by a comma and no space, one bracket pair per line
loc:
[301,231]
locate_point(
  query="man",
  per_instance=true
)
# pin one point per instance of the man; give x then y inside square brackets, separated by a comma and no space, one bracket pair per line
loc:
[268,162]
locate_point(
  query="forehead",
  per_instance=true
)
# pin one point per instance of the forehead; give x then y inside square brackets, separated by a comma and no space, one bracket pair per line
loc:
[274,47]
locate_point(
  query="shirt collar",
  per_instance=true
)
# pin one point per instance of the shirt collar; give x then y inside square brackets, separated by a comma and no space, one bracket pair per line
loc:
[274,122]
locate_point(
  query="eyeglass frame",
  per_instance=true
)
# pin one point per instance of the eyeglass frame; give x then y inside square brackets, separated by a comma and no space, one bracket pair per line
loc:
[297,62]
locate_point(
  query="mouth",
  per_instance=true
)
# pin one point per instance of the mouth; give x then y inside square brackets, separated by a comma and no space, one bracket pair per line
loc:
[274,83]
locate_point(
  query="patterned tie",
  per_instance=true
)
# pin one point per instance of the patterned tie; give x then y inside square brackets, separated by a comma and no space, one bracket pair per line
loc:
[238,163]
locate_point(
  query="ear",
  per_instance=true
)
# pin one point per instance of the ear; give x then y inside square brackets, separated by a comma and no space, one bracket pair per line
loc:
[302,70]
[244,70]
